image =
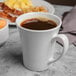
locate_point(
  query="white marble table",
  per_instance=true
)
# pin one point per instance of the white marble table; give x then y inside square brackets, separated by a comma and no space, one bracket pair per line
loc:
[11,63]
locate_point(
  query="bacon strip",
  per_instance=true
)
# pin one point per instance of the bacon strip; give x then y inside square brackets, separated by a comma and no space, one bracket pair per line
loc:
[6,9]
[7,16]
[17,12]
[12,19]
[1,5]
[3,15]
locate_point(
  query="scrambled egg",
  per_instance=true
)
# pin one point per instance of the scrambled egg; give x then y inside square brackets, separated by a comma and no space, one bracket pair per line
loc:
[18,4]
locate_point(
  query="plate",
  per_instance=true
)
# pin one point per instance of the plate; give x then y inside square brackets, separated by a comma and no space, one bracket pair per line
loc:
[47,5]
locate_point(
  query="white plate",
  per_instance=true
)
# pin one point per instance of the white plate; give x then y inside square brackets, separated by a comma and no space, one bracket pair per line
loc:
[47,5]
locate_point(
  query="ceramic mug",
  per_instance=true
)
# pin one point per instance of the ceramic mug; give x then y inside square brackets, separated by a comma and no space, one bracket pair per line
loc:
[36,43]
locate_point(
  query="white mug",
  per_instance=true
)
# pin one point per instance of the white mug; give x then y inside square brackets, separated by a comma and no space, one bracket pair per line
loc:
[36,43]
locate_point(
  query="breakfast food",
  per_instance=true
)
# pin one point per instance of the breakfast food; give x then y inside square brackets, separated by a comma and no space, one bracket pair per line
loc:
[19,4]
[11,9]
[2,23]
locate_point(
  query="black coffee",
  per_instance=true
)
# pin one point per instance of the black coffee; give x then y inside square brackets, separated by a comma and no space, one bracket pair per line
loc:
[38,24]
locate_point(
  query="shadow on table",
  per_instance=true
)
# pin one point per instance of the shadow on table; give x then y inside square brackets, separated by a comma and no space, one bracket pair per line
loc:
[17,58]
[12,55]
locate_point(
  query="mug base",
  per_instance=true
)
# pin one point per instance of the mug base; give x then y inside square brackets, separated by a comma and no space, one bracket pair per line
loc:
[35,70]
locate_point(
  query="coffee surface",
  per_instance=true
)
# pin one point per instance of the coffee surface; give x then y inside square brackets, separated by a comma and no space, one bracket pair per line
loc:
[38,24]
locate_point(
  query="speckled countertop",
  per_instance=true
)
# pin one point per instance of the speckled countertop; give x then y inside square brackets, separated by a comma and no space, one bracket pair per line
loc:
[11,63]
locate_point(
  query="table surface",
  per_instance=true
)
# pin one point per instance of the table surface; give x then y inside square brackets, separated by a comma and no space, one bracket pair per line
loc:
[11,63]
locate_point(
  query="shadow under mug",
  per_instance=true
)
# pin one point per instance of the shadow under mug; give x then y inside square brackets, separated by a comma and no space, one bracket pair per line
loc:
[36,43]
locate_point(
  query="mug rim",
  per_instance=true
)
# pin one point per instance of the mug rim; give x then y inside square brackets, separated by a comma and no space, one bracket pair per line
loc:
[58,26]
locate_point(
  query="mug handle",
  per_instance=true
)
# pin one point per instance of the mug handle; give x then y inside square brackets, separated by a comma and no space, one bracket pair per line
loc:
[65,46]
